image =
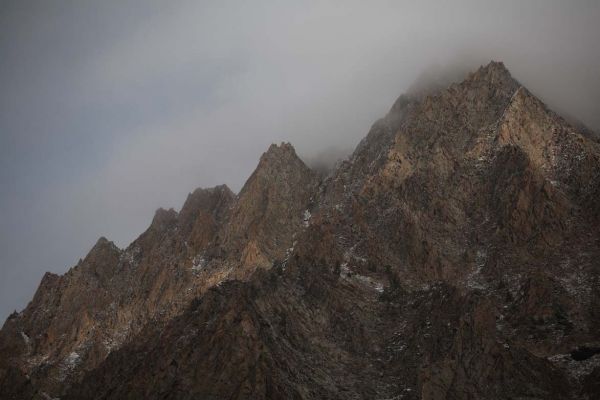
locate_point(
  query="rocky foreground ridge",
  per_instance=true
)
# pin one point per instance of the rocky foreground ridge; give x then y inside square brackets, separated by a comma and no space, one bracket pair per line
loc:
[454,254]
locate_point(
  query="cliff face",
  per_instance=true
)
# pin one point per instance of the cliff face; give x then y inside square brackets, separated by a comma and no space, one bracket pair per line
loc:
[453,255]
[454,183]
[270,209]
[76,320]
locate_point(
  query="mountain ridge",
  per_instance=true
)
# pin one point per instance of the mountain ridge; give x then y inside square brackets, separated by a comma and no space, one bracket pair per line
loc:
[462,231]
[112,294]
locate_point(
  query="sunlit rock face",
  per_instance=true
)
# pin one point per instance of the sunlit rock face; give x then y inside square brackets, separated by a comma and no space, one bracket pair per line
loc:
[454,254]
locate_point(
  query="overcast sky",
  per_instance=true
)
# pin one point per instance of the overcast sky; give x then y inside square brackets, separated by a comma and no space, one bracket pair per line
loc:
[111,109]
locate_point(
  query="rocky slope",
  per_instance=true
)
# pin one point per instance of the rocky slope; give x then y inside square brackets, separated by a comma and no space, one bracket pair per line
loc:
[74,321]
[270,209]
[453,255]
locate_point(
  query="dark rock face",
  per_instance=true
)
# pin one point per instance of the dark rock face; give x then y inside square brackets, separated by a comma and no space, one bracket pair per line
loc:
[270,208]
[453,255]
[76,320]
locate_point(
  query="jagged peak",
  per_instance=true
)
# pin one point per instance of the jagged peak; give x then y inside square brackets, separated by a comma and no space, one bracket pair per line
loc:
[49,277]
[269,206]
[223,188]
[102,244]
[211,200]
[200,193]
[215,190]
[495,72]
[497,66]
[102,241]
[281,154]
[282,151]
[278,159]
[163,217]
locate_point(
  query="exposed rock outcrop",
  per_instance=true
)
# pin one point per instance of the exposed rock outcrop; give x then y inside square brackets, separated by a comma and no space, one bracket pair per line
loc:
[77,319]
[453,255]
[269,209]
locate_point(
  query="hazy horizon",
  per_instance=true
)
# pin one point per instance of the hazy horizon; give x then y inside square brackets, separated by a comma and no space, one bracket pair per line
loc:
[113,109]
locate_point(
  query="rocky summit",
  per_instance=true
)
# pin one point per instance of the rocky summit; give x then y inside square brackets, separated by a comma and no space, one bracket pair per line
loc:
[454,255]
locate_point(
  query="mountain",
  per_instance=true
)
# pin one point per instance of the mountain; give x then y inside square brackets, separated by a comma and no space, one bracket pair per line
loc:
[270,208]
[454,254]
[74,321]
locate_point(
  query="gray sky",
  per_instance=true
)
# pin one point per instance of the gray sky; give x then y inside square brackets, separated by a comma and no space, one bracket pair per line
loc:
[110,109]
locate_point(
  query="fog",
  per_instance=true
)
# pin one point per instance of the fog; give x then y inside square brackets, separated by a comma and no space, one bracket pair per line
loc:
[111,109]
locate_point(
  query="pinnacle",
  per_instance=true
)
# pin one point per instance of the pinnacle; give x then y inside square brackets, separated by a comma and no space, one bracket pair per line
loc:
[285,149]
[277,157]
[102,243]
[497,66]
[102,240]
[164,217]
[495,72]
[223,188]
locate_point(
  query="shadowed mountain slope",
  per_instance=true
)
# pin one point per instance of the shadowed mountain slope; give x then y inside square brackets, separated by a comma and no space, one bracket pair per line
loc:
[453,255]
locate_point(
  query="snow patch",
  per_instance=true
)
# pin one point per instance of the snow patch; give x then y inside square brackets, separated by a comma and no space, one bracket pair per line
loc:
[344,270]
[576,369]
[68,365]
[198,263]
[475,280]
[130,256]
[72,360]
[110,344]
[306,218]
[346,273]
